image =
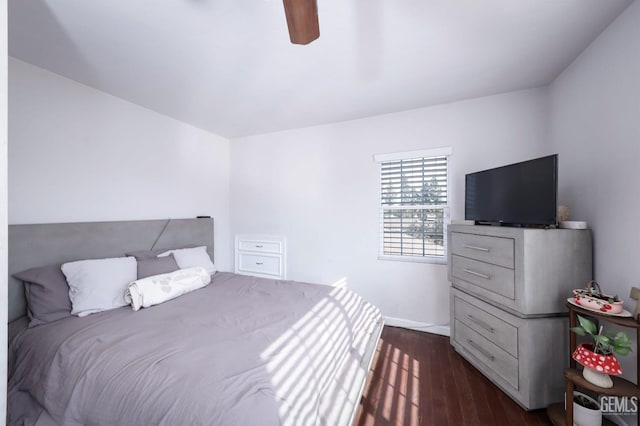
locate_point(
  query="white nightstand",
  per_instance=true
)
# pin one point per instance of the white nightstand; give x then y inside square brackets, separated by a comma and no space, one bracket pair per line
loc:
[261,256]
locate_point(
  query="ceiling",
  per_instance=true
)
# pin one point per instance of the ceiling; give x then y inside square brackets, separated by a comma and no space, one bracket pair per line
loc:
[227,66]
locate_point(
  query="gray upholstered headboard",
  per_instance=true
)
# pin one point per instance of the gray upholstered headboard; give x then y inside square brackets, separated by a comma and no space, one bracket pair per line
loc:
[55,243]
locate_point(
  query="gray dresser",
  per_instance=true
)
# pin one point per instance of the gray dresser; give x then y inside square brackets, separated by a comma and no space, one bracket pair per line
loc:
[509,288]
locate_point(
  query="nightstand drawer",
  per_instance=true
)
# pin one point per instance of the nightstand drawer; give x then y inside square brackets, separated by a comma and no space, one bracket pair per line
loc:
[493,328]
[489,354]
[490,277]
[495,250]
[260,264]
[260,246]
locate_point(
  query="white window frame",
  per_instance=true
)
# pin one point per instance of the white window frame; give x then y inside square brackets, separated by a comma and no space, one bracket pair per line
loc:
[426,153]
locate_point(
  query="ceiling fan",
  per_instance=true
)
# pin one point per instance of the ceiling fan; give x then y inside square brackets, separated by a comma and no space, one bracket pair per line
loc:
[302,20]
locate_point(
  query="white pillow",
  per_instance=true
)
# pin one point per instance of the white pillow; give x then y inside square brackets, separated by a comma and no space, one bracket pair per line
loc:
[97,285]
[157,289]
[190,257]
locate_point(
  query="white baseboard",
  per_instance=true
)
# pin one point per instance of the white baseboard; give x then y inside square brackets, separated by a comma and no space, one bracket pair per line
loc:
[418,326]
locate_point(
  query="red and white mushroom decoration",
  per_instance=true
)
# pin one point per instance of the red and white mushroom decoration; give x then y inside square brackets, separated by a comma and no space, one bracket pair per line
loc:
[606,364]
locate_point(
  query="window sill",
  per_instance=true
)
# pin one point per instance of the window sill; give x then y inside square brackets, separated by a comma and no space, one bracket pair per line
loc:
[416,259]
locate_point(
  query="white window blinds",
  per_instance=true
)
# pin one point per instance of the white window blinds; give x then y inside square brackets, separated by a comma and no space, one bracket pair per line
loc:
[414,205]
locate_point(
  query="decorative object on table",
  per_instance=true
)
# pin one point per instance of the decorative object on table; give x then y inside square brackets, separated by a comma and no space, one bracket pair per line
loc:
[598,357]
[635,295]
[592,297]
[622,314]
[596,367]
[586,410]
[563,213]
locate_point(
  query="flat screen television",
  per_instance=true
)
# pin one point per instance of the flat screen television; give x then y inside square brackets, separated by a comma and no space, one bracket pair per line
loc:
[520,194]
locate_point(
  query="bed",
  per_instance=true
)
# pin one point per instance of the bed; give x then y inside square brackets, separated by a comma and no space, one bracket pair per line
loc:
[241,350]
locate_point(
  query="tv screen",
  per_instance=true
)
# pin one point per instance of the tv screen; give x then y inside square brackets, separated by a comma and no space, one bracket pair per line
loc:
[518,194]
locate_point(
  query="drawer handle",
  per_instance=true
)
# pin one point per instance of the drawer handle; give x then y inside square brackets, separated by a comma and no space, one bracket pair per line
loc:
[259,245]
[481,323]
[259,263]
[477,274]
[476,248]
[479,349]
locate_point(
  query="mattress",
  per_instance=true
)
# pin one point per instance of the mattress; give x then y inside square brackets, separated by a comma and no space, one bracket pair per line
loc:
[241,351]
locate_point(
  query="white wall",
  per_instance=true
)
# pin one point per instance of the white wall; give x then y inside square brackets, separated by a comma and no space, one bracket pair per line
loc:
[77,154]
[595,126]
[3,211]
[318,187]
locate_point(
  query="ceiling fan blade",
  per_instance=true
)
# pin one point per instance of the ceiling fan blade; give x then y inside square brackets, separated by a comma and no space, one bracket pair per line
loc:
[302,20]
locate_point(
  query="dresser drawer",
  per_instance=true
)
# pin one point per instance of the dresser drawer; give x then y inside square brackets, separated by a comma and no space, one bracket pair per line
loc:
[499,361]
[495,250]
[490,277]
[260,264]
[260,246]
[489,326]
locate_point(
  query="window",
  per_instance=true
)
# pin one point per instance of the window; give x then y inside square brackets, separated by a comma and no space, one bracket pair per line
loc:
[414,206]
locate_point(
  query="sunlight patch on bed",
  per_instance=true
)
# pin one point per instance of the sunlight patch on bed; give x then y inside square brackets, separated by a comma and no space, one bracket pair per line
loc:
[304,360]
[341,283]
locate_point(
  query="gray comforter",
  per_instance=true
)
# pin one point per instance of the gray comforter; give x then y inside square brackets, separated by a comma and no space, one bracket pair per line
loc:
[241,351]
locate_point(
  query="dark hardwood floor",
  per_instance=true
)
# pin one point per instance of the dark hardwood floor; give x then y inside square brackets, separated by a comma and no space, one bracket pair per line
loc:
[418,379]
